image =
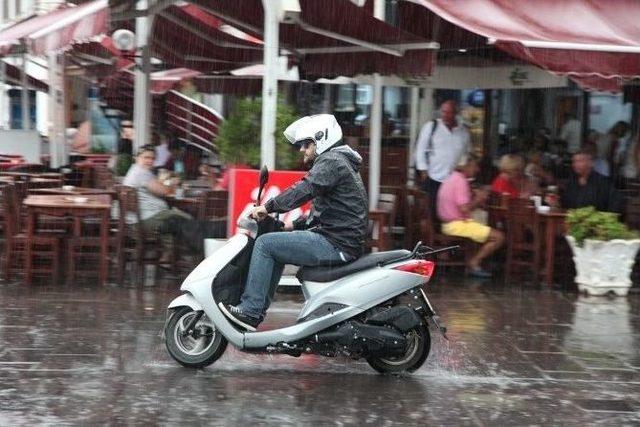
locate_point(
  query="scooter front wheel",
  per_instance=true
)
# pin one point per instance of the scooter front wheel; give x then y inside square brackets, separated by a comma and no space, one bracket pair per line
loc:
[418,348]
[197,348]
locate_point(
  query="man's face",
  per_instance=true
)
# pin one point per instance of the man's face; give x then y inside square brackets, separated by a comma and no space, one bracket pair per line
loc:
[145,159]
[582,164]
[309,149]
[448,113]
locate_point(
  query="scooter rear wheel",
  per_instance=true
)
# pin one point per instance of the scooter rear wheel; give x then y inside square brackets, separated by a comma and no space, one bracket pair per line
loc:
[418,347]
[193,351]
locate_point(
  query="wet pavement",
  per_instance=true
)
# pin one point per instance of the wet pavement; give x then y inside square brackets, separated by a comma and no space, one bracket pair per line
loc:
[517,356]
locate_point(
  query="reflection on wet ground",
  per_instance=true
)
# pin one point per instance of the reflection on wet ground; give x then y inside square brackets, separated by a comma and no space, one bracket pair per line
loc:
[517,356]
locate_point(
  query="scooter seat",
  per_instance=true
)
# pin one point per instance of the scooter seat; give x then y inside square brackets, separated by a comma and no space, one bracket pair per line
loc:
[324,274]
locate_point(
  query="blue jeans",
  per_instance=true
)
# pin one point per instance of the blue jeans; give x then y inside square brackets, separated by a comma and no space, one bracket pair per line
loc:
[270,254]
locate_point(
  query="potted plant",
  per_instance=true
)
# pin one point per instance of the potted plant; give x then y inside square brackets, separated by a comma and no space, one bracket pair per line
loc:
[604,251]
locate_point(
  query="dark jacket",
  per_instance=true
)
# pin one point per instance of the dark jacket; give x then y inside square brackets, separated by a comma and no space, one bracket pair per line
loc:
[340,209]
[597,192]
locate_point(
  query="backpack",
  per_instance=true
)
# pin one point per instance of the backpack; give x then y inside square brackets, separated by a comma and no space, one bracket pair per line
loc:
[430,141]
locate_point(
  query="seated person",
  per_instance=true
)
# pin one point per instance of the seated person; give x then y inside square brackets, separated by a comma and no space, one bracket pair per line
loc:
[511,180]
[175,163]
[600,165]
[535,171]
[155,214]
[455,205]
[586,187]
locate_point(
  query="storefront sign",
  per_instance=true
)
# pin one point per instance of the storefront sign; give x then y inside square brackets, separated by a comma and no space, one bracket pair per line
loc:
[243,190]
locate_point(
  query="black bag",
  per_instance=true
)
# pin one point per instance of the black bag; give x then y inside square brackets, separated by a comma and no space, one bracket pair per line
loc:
[193,232]
[427,152]
[228,285]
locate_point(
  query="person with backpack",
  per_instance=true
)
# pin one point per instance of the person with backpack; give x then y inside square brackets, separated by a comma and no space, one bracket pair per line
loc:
[440,145]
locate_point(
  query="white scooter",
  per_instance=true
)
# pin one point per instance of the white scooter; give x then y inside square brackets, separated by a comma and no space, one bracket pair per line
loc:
[373,307]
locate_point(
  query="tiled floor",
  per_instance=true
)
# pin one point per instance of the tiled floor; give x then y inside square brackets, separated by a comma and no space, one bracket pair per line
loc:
[516,356]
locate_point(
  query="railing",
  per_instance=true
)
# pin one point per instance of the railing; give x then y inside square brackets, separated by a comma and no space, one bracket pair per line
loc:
[192,122]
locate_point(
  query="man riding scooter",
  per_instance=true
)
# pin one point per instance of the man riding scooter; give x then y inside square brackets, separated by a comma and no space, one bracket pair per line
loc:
[335,230]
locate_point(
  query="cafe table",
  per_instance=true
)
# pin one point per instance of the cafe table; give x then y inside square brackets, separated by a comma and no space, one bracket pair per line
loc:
[72,191]
[75,207]
[190,205]
[553,222]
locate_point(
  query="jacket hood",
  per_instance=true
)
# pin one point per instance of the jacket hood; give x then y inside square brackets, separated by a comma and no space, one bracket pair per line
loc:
[352,155]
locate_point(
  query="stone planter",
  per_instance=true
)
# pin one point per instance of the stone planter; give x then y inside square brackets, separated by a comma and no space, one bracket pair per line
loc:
[604,266]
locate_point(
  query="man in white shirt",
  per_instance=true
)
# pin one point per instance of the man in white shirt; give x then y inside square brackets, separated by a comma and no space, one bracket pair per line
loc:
[571,133]
[438,153]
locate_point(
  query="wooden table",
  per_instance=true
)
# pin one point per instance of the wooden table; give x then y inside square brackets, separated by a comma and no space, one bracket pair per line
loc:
[190,205]
[76,191]
[553,223]
[59,205]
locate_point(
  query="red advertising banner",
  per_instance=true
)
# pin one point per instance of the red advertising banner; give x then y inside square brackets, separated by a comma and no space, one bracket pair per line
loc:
[243,190]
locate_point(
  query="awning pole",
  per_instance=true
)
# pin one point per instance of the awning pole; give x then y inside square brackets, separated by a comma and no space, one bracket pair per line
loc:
[26,117]
[3,93]
[326,100]
[141,96]
[413,133]
[57,111]
[53,109]
[269,84]
[375,132]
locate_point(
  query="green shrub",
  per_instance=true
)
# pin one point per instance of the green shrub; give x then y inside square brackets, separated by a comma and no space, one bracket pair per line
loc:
[239,134]
[588,223]
[99,148]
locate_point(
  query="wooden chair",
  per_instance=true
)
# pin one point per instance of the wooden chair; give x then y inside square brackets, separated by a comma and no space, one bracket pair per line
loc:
[523,238]
[432,236]
[46,247]
[213,205]
[632,212]
[103,177]
[380,223]
[132,241]
[28,167]
[36,183]
[412,217]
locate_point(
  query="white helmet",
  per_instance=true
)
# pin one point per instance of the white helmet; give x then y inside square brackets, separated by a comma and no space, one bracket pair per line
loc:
[323,129]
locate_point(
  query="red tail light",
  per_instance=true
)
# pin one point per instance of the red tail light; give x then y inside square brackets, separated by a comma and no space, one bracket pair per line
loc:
[418,266]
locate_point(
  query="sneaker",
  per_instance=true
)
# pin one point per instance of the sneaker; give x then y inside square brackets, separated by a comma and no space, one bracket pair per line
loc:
[236,315]
[479,273]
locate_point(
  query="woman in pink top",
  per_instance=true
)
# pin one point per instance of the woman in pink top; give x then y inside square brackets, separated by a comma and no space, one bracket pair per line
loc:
[456,202]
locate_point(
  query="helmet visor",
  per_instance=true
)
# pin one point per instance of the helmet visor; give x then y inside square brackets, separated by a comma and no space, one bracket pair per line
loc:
[303,143]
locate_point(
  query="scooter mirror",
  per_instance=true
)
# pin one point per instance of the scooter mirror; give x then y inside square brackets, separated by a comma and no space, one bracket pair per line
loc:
[264,176]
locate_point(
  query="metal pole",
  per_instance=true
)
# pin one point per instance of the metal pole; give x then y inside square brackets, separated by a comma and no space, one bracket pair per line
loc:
[3,93]
[413,133]
[26,117]
[141,96]
[54,146]
[269,84]
[375,132]
[375,142]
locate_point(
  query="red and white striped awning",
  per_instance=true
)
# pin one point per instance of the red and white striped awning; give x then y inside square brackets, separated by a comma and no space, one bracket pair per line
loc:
[56,30]
[586,39]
